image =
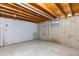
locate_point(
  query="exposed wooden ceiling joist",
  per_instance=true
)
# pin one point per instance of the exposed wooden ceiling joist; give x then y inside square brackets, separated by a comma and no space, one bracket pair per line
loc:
[15,11]
[38,12]
[17,17]
[17,14]
[34,11]
[24,10]
[53,9]
[75,8]
[40,9]
[65,8]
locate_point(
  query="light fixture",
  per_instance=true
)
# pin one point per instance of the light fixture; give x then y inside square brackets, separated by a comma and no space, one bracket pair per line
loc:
[68,15]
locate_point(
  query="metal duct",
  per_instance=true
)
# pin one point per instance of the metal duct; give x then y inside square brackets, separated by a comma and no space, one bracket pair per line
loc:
[33,10]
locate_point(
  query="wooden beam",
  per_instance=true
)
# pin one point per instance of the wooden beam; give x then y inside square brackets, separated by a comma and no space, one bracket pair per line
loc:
[24,11]
[65,8]
[53,9]
[40,9]
[5,14]
[17,11]
[14,13]
[35,14]
[75,8]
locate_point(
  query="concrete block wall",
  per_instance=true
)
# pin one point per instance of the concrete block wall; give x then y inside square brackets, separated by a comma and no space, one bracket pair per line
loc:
[66,32]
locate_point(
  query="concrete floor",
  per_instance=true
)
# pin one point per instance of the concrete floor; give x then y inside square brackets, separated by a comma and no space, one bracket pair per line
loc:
[37,48]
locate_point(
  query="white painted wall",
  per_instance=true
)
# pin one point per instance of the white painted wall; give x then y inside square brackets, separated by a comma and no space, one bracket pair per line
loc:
[67,33]
[18,31]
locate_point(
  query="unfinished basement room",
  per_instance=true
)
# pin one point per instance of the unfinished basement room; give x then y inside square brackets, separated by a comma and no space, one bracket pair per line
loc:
[39,29]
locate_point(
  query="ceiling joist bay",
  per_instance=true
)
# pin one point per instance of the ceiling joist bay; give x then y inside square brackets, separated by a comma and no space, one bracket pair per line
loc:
[44,11]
